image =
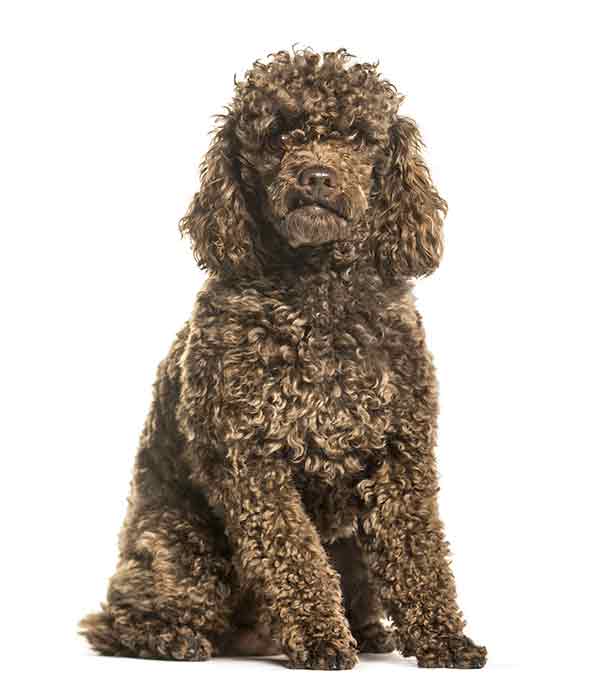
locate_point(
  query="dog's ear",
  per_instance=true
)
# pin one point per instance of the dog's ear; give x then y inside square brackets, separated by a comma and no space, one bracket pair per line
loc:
[408,212]
[218,221]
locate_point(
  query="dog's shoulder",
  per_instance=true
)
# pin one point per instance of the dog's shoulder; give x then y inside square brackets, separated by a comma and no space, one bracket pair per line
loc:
[227,317]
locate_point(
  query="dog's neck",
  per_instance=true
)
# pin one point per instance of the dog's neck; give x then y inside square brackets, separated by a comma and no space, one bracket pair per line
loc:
[312,259]
[344,271]
[317,274]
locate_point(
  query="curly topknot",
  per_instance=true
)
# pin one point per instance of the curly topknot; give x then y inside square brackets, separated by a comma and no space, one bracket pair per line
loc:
[325,94]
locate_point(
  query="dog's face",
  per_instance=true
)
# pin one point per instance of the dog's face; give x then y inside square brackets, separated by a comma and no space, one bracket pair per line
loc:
[316,191]
[312,153]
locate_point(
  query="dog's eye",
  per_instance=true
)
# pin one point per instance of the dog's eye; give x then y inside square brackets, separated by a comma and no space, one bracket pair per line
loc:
[277,140]
[292,137]
[357,140]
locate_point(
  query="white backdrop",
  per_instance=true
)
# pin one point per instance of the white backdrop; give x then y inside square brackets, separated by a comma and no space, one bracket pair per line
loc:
[105,115]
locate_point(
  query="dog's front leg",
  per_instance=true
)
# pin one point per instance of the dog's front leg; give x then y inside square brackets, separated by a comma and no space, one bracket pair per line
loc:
[280,557]
[405,548]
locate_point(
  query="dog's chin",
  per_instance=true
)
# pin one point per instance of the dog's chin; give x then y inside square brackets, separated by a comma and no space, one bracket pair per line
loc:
[313,225]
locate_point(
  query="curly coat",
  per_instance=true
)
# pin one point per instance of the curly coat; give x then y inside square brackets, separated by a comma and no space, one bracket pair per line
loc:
[284,491]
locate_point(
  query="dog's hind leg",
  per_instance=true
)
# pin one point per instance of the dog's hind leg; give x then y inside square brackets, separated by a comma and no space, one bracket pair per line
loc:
[171,595]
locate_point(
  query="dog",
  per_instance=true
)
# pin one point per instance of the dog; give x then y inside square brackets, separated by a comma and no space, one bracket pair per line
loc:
[284,496]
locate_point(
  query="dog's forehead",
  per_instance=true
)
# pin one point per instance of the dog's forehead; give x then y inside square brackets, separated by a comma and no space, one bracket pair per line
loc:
[344,100]
[318,115]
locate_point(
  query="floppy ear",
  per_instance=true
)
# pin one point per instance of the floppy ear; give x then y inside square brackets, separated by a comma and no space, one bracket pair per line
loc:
[218,221]
[408,212]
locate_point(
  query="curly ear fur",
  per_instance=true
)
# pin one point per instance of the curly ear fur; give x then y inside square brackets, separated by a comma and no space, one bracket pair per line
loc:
[408,210]
[218,221]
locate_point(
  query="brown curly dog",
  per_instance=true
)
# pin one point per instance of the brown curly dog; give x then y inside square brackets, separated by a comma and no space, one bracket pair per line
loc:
[284,492]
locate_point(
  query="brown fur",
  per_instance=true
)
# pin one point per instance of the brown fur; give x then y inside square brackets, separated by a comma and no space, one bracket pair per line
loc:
[284,492]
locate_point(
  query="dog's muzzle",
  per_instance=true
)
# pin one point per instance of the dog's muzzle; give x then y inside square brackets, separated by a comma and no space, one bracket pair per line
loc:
[314,219]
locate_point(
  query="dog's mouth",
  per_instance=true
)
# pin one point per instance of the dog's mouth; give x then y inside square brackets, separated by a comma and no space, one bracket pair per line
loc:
[311,222]
[313,225]
[318,208]
[297,199]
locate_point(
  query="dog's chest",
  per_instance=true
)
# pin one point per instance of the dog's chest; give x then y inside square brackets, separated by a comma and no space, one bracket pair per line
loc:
[322,373]
[345,390]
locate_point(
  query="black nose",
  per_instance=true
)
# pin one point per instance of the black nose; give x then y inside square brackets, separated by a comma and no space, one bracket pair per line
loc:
[317,175]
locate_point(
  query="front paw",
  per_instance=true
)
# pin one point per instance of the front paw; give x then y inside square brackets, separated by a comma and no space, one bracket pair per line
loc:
[323,653]
[455,651]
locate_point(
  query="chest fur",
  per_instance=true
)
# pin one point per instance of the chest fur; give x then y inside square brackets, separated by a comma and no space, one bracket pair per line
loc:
[314,378]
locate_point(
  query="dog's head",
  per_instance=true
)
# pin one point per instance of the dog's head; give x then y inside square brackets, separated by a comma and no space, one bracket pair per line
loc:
[312,153]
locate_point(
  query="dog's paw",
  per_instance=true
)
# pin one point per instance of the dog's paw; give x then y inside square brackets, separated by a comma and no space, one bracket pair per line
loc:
[180,645]
[376,639]
[330,650]
[455,651]
[324,656]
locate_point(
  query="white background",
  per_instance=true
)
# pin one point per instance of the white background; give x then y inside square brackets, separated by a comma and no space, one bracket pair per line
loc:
[104,118]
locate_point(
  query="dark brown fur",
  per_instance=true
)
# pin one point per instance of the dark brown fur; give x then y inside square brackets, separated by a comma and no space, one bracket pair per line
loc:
[284,493]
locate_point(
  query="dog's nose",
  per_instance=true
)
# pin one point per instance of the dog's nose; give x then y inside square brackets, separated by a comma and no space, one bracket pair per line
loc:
[317,175]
